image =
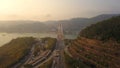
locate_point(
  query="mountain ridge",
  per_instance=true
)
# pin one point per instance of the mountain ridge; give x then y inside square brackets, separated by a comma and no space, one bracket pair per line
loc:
[71,26]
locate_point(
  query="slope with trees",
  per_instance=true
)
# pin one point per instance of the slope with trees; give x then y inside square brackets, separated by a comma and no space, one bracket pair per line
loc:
[98,45]
[14,51]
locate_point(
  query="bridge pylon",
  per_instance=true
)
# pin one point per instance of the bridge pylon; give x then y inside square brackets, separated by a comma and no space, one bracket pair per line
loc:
[60,35]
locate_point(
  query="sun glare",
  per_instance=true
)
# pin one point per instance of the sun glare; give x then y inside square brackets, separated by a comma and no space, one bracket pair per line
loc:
[5,5]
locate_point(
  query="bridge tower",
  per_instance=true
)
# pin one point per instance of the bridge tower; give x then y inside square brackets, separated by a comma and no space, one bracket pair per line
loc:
[60,35]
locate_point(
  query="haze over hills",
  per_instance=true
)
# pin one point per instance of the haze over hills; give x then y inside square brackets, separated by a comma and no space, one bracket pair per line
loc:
[71,26]
[77,24]
[23,27]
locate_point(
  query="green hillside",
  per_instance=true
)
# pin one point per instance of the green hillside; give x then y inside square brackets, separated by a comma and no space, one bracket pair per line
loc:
[96,45]
[14,51]
[107,29]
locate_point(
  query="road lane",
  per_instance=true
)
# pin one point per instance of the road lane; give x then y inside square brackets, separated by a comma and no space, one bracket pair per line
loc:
[58,61]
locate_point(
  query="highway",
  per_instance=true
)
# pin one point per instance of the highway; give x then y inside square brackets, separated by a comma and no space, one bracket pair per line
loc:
[34,61]
[57,53]
[58,61]
[23,61]
[41,58]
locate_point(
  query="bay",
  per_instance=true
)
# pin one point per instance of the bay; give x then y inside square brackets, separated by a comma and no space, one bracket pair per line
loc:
[7,37]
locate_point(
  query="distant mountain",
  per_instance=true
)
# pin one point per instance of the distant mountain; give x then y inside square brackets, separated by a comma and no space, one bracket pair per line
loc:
[77,24]
[23,27]
[72,26]
[104,16]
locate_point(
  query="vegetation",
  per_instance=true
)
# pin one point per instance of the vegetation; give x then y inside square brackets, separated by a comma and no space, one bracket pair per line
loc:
[47,64]
[73,63]
[105,30]
[44,44]
[98,45]
[50,42]
[15,51]
[67,41]
[28,66]
[97,54]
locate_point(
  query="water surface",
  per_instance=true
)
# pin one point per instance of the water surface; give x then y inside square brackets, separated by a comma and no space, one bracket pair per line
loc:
[7,37]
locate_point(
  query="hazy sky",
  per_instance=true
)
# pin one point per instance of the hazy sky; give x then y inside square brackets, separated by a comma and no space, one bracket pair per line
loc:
[44,10]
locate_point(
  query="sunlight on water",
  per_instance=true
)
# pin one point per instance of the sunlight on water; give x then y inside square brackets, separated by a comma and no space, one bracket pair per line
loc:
[7,37]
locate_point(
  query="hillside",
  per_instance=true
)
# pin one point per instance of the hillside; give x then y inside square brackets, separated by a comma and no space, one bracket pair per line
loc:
[105,30]
[18,51]
[15,51]
[90,48]
[96,54]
